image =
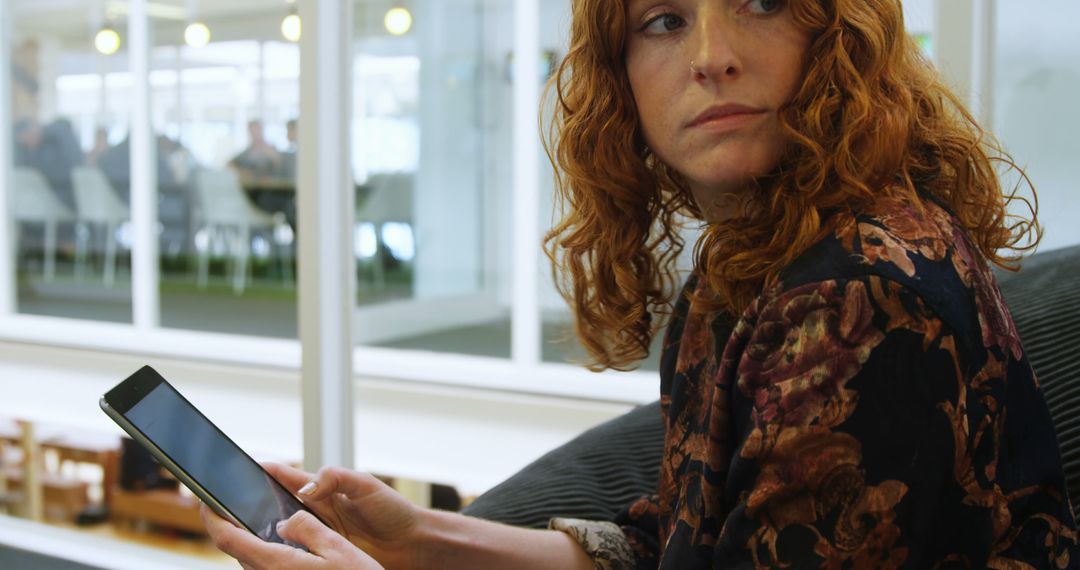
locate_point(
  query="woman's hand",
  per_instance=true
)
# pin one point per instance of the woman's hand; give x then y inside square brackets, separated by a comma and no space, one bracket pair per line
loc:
[327,549]
[371,525]
[365,511]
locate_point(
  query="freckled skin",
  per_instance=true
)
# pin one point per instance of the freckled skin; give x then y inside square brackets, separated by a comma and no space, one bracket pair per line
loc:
[747,52]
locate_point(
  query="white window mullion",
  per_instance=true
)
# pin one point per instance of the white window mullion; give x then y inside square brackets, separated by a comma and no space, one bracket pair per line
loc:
[525,340]
[325,212]
[985,54]
[144,213]
[965,37]
[7,222]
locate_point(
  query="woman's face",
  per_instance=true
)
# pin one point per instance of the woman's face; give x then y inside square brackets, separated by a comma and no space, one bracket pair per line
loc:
[709,77]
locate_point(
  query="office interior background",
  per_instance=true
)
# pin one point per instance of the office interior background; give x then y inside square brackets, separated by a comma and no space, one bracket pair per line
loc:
[157,158]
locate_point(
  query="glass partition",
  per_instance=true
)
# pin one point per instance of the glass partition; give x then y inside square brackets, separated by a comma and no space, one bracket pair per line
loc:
[919,19]
[558,340]
[71,91]
[432,164]
[557,332]
[1036,78]
[224,111]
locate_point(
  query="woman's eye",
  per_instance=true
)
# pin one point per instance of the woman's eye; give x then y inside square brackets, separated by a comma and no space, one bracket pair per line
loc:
[662,24]
[764,7]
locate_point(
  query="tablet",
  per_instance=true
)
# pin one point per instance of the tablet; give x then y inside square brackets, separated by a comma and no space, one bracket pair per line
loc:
[199,454]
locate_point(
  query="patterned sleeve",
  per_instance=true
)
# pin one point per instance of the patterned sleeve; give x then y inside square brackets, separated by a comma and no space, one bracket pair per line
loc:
[864,431]
[629,543]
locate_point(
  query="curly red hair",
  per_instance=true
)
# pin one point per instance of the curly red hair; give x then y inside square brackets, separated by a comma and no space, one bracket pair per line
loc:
[871,113]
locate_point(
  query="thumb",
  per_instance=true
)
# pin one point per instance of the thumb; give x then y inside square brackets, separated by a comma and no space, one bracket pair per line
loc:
[303,528]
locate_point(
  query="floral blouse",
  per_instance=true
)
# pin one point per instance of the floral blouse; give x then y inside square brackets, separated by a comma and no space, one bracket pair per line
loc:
[873,408]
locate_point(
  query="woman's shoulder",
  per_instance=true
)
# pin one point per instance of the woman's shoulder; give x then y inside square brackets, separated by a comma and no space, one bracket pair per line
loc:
[896,236]
[918,245]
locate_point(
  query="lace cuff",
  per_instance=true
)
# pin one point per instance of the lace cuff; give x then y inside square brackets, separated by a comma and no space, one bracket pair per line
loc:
[604,542]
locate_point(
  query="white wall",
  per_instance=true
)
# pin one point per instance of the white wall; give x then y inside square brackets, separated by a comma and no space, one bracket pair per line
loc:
[919,16]
[1037,106]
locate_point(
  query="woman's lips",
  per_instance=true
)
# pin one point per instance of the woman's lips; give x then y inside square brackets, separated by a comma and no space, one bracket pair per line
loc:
[725,117]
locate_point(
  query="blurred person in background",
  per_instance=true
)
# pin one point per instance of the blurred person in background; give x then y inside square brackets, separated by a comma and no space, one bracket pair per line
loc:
[288,156]
[100,147]
[260,161]
[52,150]
[172,170]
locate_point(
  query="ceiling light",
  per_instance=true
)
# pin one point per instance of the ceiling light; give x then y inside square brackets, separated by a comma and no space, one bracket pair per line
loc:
[290,27]
[398,21]
[107,41]
[197,34]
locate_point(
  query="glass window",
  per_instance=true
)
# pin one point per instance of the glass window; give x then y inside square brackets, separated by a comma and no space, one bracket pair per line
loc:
[224,106]
[432,164]
[559,342]
[1036,77]
[70,115]
[919,21]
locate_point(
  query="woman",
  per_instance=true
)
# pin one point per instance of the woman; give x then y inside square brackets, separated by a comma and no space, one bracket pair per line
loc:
[841,382]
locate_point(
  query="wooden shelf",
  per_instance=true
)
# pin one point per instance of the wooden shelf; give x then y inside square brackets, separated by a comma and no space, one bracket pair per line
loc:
[161,507]
[64,497]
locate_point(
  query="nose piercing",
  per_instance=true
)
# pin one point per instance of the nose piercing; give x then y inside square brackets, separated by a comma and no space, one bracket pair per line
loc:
[693,68]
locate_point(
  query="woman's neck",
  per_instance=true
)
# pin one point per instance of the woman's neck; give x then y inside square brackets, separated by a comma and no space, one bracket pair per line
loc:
[719,206]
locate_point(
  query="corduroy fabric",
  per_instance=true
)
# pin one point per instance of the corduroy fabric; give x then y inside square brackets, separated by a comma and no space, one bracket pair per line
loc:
[592,477]
[1044,299]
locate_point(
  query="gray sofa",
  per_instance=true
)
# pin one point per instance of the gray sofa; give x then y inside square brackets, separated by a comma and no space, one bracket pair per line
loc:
[601,471]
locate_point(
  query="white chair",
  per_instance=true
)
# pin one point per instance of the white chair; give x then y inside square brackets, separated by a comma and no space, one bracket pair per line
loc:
[96,203]
[34,201]
[390,200]
[224,213]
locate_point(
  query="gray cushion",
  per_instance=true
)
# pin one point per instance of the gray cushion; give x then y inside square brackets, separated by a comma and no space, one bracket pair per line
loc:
[593,476]
[1044,299]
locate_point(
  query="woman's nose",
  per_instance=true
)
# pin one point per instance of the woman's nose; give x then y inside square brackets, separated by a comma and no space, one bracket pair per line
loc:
[713,49]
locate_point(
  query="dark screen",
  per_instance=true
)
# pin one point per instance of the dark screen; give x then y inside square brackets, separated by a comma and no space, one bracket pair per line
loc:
[216,463]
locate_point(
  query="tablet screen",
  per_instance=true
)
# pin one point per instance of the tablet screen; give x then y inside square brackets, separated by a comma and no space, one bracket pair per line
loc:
[214,461]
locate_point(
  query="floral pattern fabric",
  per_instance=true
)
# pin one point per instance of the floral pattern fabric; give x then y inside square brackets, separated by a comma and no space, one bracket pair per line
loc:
[602,541]
[872,408]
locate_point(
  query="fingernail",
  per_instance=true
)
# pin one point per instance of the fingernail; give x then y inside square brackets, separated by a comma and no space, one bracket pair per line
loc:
[308,488]
[280,527]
